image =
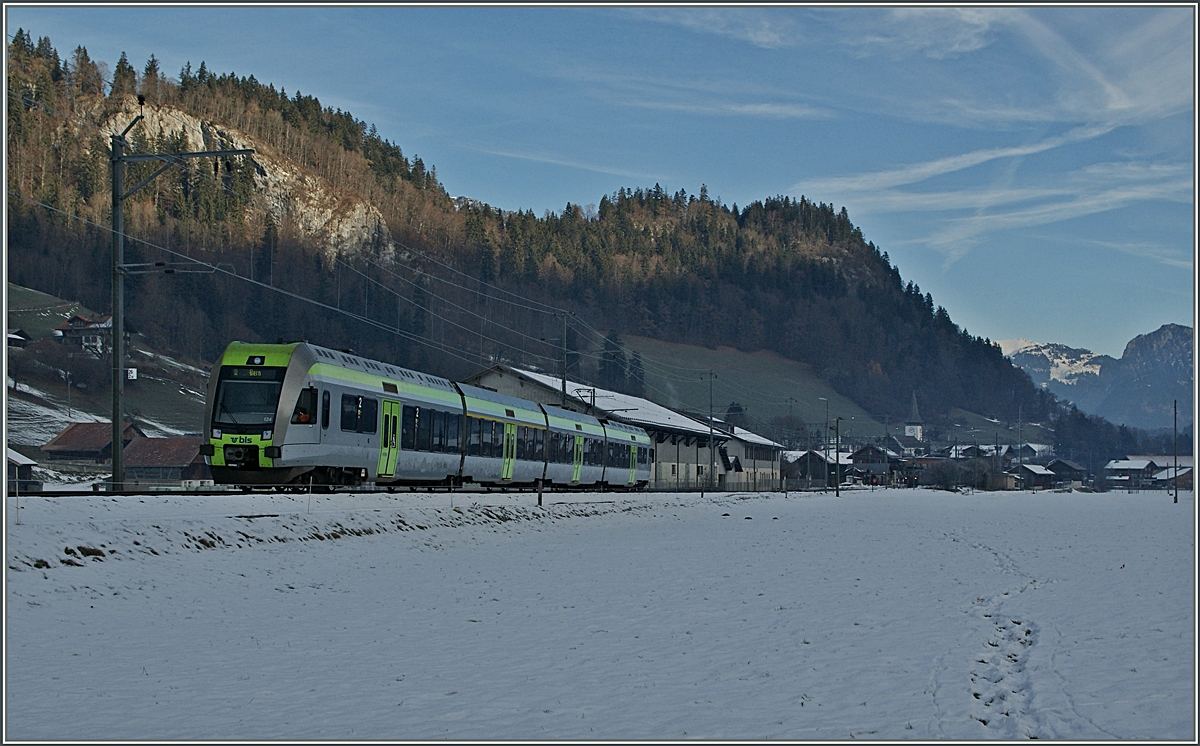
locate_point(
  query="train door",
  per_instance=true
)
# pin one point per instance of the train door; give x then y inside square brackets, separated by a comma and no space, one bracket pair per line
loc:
[578,458]
[510,450]
[632,464]
[387,439]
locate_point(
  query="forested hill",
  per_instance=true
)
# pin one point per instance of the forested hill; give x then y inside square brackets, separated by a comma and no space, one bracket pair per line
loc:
[327,210]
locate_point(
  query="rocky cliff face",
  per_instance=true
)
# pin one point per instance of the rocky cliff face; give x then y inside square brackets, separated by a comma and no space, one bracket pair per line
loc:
[304,201]
[1139,389]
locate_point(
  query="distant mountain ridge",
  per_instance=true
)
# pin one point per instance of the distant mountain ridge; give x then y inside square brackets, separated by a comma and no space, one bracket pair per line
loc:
[1138,389]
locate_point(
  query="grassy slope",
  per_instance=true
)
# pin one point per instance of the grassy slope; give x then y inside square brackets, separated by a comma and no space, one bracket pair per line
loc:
[762,382]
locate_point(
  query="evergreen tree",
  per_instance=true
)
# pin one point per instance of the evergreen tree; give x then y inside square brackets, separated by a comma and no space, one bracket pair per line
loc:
[124,78]
[151,78]
[84,77]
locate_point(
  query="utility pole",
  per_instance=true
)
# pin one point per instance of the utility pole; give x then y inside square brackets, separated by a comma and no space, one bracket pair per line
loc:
[710,432]
[564,361]
[825,443]
[837,455]
[1019,464]
[119,159]
[1175,435]
[791,429]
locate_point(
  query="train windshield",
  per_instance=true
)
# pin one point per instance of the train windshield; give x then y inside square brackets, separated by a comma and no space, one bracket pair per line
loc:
[247,396]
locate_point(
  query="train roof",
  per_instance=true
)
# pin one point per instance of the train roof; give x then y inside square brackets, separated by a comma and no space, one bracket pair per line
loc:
[501,405]
[376,367]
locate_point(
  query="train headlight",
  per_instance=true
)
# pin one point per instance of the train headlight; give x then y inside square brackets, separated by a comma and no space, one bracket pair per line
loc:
[267,434]
[216,432]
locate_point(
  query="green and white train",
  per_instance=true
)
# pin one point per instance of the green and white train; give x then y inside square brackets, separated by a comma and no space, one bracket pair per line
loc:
[299,414]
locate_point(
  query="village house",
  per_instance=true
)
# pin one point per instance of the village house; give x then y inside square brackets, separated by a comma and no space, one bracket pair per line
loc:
[90,334]
[876,465]
[1035,477]
[1131,474]
[815,467]
[1067,473]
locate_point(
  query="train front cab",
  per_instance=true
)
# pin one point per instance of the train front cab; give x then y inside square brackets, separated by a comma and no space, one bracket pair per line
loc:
[248,392]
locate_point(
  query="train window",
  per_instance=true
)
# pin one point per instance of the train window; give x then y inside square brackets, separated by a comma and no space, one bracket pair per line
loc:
[305,412]
[522,442]
[477,437]
[485,441]
[408,429]
[453,428]
[437,442]
[497,440]
[325,410]
[360,414]
[423,426]
[370,415]
[350,412]
[539,445]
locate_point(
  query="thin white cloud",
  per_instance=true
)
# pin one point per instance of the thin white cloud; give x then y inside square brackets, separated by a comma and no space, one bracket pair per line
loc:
[960,235]
[918,172]
[1156,252]
[938,33]
[556,161]
[718,108]
[762,28]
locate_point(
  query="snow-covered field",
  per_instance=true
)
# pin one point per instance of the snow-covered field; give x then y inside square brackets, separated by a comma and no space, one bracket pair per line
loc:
[892,614]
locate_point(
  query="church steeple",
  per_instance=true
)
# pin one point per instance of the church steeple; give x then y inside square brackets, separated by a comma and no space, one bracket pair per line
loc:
[913,426]
[914,417]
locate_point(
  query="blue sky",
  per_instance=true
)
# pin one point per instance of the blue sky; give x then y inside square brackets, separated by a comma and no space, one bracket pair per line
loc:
[1032,168]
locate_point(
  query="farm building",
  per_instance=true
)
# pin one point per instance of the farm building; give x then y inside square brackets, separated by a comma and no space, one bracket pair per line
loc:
[20,474]
[1067,472]
[88,441]
[164,461]
[1165,479]
[18,338]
